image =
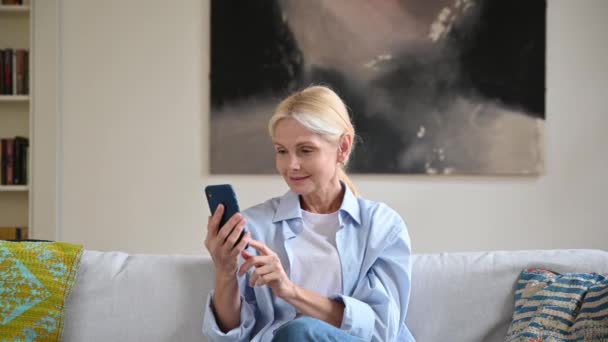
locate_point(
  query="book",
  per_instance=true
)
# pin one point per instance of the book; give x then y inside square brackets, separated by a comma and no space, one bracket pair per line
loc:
[13,233]
[26,72]
[20,71]
[3,161]
[20,148]
[8,71]
[2,91]
[14,71]
[11,2]
[10,161]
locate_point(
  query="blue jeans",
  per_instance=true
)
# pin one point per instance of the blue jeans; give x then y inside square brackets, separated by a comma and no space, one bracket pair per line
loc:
[308,329]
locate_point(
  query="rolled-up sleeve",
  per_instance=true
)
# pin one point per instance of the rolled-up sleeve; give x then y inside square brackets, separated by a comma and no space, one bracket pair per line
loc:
[377,307]
[240,333]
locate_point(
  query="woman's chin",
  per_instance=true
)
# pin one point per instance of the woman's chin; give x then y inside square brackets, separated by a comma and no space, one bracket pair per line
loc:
[299,187]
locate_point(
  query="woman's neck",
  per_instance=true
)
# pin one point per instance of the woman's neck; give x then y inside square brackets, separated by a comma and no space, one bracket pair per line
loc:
[326,202]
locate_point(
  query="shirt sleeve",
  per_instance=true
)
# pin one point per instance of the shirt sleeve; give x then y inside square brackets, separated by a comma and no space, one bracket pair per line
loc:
[377,307]
[240,333]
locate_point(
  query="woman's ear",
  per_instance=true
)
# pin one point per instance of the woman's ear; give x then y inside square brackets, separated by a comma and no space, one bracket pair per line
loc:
[344,148]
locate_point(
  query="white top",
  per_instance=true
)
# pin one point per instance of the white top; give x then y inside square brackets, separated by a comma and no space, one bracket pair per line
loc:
[316,263]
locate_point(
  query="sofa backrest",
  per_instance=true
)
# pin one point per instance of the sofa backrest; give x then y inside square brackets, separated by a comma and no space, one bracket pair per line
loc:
[469,296]
[455,296]
[121,297]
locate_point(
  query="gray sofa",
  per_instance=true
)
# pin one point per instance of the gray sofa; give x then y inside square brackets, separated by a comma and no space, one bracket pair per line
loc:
[455,296]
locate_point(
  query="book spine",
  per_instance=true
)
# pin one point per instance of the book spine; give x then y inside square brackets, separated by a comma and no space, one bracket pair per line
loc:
[21,155]
[16,162]
[3,161]
[8,77]
[26,72]
[9,161]
[2,91]
[13,233]
[20,71]
[14,72]
[24,160]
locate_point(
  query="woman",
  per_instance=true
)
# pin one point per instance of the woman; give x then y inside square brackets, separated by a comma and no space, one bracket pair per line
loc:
[323,264]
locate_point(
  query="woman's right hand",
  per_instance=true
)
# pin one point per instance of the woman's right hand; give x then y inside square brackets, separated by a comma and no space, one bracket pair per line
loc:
[221,242]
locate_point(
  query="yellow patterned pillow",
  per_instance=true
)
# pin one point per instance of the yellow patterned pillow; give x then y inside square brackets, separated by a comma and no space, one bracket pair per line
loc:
[35,281]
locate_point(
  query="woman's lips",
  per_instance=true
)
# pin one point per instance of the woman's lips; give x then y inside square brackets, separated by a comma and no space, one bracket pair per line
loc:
[297,179]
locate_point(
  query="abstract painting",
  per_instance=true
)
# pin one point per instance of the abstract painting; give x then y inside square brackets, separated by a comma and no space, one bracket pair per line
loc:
[434,87]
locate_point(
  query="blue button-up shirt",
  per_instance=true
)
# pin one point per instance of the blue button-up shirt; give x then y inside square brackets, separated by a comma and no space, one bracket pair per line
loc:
[375,255]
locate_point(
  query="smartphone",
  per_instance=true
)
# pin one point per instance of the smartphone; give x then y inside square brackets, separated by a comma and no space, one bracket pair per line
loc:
[223,194]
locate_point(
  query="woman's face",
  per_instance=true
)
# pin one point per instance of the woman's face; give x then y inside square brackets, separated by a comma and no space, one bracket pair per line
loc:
[307,162]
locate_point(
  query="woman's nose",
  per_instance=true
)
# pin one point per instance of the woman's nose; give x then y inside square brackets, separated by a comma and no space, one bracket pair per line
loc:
[294,163]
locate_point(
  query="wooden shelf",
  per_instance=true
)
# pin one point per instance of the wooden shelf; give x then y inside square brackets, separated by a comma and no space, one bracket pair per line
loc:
[14,9]
[14,98]
[13,188]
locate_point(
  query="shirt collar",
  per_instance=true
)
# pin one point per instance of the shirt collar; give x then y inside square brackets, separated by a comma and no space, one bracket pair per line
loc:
[350,205]
[289,206]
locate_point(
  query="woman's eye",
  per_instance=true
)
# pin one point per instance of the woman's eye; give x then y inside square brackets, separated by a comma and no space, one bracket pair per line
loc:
[307,151]
[281,151]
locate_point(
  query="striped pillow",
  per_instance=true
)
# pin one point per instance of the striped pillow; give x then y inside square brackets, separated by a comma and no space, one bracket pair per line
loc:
[558,307]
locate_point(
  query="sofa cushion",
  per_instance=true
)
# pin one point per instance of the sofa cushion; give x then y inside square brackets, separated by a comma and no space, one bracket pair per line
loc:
[135,297]
[35,281]
[557,307]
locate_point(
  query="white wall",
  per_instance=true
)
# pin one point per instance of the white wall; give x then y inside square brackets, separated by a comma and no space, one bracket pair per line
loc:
[133,150]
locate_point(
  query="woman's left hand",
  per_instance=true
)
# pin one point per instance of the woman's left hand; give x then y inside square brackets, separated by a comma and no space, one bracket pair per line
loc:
[268,270]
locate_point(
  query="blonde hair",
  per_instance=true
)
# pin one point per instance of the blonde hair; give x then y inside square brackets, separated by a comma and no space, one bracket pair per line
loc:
[319,109]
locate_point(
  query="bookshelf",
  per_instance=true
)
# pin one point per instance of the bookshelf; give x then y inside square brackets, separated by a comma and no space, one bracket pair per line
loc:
[16,28]
[23,9]
[9,188]
[14,98]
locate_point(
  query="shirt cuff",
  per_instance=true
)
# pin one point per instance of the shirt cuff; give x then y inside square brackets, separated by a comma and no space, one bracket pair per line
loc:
[358,318]
[240,333]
